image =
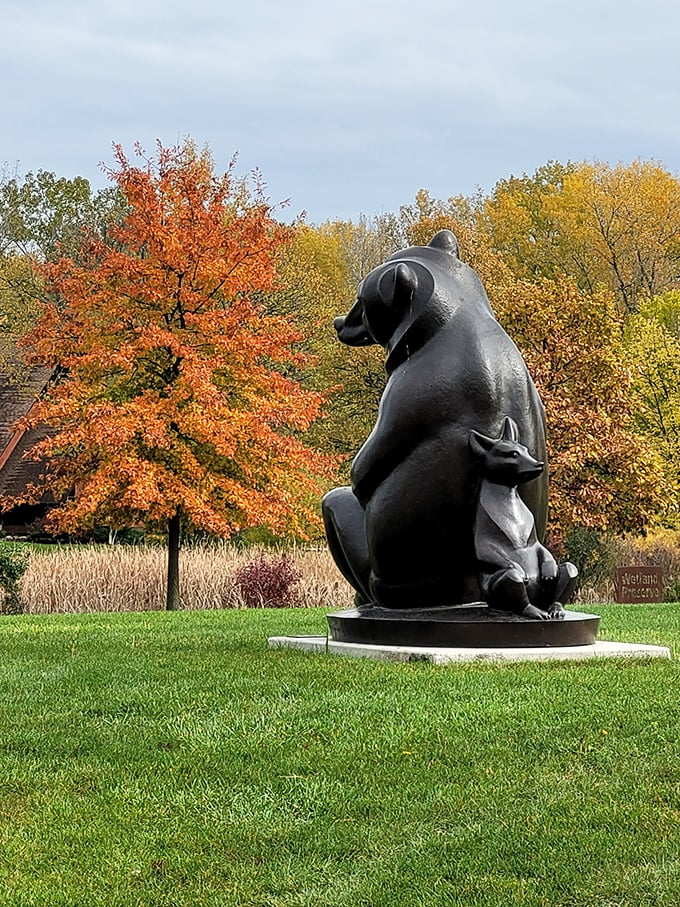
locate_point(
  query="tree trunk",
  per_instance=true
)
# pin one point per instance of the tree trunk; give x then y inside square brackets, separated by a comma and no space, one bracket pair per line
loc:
[172,602]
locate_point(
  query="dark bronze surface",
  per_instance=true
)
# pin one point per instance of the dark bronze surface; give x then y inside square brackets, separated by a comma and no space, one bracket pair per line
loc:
[403,530]
[448,496]
[516,572]
[466,626]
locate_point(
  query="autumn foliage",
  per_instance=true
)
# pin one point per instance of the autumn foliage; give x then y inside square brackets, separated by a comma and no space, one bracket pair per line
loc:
[176,393]
[653,355]
[603,474]
[182,391]
[614,227]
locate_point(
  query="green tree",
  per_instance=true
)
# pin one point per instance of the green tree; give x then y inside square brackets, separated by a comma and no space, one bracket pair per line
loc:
[13,565]
[42,216]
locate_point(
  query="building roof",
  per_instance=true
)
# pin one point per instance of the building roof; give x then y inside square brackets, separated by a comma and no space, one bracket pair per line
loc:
[18,393]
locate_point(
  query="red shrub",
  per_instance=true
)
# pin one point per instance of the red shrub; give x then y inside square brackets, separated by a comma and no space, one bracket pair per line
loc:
[265,583]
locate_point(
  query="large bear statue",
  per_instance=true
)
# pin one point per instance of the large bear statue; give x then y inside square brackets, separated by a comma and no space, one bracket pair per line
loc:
[403,533]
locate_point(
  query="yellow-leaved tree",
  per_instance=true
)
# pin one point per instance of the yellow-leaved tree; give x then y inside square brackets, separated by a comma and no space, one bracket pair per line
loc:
[653,356]
[614,227]
[316,281]
[603,475]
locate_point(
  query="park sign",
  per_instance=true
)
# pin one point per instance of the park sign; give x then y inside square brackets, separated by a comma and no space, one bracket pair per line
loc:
[638,584]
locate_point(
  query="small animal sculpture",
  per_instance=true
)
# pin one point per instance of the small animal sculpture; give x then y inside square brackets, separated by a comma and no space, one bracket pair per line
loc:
[516,572]
[402,533]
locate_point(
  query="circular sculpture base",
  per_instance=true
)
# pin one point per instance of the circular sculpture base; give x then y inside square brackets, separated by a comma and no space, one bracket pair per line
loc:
[459,626]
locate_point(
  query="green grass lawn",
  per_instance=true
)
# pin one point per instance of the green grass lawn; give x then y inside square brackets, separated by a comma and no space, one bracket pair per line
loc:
[171,759]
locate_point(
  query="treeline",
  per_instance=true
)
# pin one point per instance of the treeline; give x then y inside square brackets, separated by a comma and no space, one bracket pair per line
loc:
[582,266]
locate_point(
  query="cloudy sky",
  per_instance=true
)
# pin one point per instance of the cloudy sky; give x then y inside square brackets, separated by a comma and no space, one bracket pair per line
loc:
[346,106]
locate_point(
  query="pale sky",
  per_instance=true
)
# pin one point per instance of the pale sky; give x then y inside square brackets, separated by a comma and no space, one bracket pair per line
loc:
[346,106]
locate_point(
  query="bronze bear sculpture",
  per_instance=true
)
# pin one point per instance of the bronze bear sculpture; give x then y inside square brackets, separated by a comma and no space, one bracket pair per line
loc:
[403,533]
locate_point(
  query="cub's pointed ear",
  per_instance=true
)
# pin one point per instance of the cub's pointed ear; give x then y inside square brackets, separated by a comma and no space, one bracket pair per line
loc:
[480,444]
[510,431]
[397,286]
[446,241]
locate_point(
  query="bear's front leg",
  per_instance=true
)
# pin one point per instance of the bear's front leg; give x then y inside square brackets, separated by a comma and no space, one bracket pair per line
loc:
[345,522]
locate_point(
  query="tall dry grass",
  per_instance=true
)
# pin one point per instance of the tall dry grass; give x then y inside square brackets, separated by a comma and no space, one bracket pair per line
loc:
[117,578]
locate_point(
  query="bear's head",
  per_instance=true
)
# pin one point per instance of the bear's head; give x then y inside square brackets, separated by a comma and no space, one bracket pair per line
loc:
[411,285]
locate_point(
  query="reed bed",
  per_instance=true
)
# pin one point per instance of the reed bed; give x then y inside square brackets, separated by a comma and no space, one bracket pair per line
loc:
[118,578]
[76,580]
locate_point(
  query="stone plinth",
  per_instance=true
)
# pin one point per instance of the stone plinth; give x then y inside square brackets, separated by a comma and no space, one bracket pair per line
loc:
[452,654]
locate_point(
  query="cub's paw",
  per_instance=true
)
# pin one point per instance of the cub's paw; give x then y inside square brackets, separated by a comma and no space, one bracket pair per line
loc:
[535,613]
[549,571]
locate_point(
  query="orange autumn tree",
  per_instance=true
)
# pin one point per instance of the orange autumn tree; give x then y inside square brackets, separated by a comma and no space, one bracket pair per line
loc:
[176,401]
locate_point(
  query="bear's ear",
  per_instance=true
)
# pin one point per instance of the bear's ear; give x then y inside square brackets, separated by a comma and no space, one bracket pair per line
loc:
[479,443]
[446,242]
[397,286]
[510,431]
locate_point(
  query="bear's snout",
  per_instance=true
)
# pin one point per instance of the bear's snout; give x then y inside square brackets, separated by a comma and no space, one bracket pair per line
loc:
[351,328]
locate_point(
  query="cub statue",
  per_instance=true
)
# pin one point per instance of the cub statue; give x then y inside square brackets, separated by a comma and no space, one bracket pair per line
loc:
[403,533]
[517,573]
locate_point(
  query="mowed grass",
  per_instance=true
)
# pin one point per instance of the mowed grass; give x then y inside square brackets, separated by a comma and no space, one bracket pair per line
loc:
[172,759]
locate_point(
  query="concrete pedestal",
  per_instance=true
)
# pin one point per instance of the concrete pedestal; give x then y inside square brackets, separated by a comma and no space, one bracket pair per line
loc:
[449,654]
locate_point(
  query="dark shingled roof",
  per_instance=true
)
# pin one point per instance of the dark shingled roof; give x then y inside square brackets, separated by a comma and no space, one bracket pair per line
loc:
[17,395]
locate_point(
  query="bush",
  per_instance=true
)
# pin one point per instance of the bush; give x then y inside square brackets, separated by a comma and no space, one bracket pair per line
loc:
[268,583]
[13,564]
[596,555]
[660,548]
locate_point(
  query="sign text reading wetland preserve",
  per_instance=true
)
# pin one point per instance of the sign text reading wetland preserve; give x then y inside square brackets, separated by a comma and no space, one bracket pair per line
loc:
[638,584]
